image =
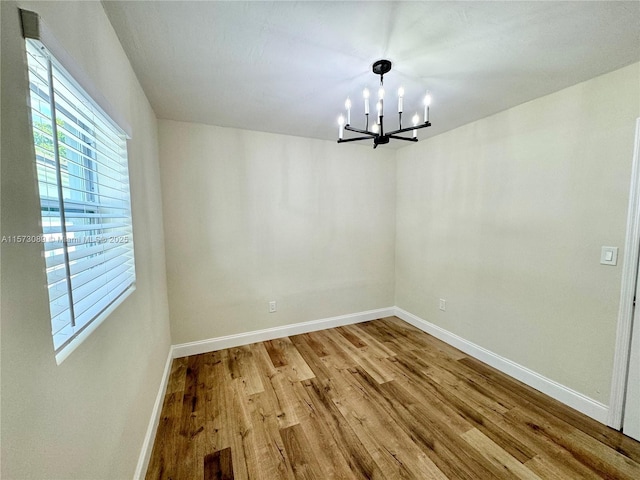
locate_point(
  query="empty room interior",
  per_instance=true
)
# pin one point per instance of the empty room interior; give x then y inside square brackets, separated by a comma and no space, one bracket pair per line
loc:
[264,240]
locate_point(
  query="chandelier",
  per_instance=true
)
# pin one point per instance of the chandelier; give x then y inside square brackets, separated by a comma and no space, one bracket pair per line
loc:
[376,132]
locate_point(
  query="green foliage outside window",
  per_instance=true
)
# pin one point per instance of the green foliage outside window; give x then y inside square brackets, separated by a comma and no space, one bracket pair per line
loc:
[43,137]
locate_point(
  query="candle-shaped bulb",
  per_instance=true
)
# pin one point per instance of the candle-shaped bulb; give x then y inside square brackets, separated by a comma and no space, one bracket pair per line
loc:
[375,128]
[400,92]
[415,121]
[400,99]
[340,127]
[347,105]
[365,95]
[381,93]
[427,102]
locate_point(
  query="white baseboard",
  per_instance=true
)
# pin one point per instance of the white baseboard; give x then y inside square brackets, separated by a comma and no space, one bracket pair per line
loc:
[566,395]
[147,444]
[236,340]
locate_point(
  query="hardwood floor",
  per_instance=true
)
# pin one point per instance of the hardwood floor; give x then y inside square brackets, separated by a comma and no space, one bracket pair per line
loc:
[376,400]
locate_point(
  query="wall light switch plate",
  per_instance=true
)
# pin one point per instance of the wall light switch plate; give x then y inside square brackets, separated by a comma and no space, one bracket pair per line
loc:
[609,256]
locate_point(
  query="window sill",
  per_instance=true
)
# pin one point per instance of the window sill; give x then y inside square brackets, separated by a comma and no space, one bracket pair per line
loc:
[63,354]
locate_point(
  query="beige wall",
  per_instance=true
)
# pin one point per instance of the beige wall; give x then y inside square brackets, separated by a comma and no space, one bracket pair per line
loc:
[504,218]
[252,217]
[87,417]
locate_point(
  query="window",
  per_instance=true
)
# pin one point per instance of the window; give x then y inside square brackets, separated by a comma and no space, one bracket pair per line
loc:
[83,179]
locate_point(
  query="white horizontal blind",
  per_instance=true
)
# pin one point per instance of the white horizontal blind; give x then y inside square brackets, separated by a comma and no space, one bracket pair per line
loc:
[83,178]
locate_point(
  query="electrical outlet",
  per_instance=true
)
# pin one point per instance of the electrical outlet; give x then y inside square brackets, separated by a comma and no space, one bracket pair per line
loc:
[443,304]
[273,307]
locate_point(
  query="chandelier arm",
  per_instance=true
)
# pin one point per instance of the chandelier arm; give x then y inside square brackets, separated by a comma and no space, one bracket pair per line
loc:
[355,139]
[357,130]
[396,137]
[409,129]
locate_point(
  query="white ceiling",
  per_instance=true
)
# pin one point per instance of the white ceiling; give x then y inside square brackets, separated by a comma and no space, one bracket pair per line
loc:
[287,67]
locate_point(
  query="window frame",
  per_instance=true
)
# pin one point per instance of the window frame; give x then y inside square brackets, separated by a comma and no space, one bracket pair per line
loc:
[91,175]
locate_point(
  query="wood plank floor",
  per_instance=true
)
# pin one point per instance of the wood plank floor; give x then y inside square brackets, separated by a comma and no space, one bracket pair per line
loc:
[376,400]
